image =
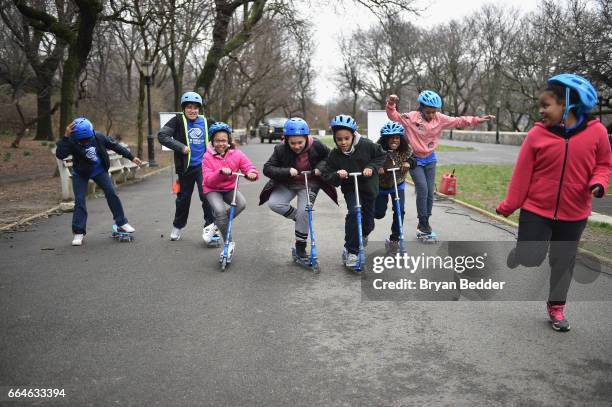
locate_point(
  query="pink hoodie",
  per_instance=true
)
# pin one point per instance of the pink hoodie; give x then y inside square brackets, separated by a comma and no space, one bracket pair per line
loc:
[213,180]
[423,136]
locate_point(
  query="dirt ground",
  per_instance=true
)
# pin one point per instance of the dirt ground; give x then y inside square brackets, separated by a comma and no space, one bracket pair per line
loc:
[28,184]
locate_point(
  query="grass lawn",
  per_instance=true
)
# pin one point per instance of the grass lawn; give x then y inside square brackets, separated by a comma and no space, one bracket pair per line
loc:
[484,186]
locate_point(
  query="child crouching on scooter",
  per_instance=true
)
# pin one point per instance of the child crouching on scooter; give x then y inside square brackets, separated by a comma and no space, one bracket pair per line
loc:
[220,161]
[299,153]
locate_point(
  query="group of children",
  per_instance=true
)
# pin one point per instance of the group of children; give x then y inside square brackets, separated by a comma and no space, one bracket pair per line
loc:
[564,162]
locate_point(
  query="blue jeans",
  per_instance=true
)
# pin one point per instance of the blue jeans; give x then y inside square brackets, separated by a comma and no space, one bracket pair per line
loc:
[424,178]
[79,186]
[351,233]
[380,208]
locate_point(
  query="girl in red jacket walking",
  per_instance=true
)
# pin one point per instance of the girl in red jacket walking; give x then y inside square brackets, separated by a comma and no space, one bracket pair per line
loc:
[564,161]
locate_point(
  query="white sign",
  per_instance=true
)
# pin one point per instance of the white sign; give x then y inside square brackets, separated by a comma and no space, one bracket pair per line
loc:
[376,119]
[163,119]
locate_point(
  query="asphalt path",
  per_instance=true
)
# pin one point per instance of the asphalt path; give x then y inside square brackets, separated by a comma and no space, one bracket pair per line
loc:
[155,323]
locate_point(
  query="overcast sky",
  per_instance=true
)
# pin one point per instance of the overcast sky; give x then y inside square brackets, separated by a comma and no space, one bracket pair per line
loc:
[329,22]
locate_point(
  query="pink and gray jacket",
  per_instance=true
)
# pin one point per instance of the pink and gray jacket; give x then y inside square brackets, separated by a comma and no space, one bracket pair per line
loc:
[213,180]
[424,136]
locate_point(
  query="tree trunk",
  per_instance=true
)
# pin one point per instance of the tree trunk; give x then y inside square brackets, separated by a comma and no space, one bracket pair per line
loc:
[221,46]
[140,117]
[44,127]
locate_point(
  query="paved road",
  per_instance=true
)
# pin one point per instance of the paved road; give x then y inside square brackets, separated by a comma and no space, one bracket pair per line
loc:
[154,323]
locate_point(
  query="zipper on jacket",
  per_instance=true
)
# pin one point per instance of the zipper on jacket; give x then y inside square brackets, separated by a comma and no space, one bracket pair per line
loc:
[561,180]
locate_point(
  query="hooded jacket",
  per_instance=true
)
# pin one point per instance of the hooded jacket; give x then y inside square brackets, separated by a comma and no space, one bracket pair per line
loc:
[81,164]
[213,180]
[283,159]
[365,154]
[553,175]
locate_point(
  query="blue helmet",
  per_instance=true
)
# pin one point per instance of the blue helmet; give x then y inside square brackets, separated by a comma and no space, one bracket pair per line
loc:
[191,97]
[343,121]
[217,127]
[392,129]
[296,127]
[430,98]
[83,129]
[586,92]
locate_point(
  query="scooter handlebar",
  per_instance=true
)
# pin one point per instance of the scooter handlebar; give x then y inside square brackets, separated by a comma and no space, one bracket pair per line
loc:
[355,174]
[239,174]
[306,172]
[393,169]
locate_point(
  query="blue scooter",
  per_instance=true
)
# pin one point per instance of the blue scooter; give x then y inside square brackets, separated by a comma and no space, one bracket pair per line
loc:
[361,256]
[312,261]
[226,255]
[396,203]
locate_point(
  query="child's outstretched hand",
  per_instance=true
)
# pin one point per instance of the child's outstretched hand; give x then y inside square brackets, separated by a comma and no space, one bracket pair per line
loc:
[137,161]
[251,176]
[317,173]
[225,171]
[485,118]
[293,172]
[68,131]
[367,172]
[381,171]
[186,150]
[393,99]
[342,173]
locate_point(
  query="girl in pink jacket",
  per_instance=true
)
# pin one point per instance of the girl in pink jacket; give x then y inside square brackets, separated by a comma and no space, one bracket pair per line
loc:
[423,130]
[220,160]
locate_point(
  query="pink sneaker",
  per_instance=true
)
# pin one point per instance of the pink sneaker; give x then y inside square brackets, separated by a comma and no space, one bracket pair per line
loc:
[555,313]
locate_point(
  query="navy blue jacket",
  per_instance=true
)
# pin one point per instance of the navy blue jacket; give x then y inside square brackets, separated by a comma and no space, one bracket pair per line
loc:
[81,164]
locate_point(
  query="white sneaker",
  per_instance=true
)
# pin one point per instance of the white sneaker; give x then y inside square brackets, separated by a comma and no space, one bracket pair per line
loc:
[127,228]
[175,234]
[351,260]
[77,240]
[208,232]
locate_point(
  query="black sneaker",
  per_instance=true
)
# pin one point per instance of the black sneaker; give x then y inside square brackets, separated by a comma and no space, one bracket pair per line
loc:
[512,261]
[421,228]
[300,250]
[427,227]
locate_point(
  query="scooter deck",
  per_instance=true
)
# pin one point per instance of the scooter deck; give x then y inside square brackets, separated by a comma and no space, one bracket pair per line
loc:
[121,236]
[427,237]
[309,263]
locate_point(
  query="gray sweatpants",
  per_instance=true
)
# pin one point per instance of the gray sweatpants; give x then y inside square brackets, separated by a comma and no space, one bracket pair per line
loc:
[218,201]
[280,202]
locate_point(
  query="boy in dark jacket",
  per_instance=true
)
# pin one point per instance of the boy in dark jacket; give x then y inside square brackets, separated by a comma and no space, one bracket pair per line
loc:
[300,152]
[90,161]
[187,135]
[354,153]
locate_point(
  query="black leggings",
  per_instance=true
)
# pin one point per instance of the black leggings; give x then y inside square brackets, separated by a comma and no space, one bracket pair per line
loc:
[535,235]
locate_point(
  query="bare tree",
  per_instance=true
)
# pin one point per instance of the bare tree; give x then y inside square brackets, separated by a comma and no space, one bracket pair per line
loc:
[389,57]
[348,77]
[44,53]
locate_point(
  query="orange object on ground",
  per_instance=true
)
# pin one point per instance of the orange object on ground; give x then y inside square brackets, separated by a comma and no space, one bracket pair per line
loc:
[448,186]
